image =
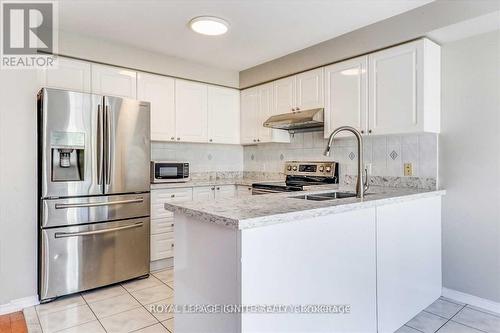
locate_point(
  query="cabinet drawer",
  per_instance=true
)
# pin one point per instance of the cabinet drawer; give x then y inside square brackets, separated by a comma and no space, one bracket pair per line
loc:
[160,197]
[203,193]
[162,246]
[159,226]
[225,191]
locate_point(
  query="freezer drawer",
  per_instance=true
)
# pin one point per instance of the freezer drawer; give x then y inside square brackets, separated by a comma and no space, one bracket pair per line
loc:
[63,212]
[77,258]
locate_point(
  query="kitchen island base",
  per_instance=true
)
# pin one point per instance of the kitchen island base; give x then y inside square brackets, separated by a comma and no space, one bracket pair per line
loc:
[381,263]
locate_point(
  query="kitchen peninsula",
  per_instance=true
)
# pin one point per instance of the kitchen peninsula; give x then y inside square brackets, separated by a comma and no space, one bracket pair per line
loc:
[380,256]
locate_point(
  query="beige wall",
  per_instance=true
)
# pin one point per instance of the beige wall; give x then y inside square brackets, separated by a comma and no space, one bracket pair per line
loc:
[400,28]
[470,165]
[126,56]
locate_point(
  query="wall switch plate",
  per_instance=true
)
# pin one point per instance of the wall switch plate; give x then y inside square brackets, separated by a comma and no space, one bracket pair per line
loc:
[408,169]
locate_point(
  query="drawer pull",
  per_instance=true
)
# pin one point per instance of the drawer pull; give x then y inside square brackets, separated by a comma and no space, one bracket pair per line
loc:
[172,195]
[172,225]
[97,204]
[95,232]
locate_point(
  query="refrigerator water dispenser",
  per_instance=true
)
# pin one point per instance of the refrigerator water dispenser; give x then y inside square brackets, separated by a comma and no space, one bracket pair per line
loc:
[68,156]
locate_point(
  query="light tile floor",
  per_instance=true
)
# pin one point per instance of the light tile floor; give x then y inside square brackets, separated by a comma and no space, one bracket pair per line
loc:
[128,308]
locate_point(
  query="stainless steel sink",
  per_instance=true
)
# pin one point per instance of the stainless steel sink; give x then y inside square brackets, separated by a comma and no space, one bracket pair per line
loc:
[326,196]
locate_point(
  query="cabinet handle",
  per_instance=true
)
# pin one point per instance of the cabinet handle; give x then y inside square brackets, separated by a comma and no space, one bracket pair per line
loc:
[172,245]
[172,195]
[362,132]
[178,139]
[258,140]
[297,109]
[254,140]
[293,109]
[172,138]
[210,140]
[218,188]
[172,225]
[370,131]
[213,188]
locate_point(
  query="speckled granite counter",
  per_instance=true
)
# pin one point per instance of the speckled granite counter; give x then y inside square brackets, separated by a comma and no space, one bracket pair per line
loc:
[195,183]
[268,209]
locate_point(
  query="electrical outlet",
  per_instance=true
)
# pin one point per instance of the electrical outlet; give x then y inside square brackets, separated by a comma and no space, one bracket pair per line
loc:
[408,169]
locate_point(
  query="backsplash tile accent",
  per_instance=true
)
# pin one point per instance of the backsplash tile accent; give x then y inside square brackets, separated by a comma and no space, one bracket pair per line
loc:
[387,154]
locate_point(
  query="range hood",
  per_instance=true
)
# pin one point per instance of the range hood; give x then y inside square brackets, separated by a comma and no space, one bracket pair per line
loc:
[298,121]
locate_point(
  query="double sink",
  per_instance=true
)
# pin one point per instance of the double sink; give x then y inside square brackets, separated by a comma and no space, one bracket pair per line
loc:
[325,196]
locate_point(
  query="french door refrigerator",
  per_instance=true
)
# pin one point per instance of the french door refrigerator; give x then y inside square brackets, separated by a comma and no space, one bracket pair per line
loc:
[93,170]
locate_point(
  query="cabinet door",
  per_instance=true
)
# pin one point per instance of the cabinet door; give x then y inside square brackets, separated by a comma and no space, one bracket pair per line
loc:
[309,90]
[70,74]
[162,246]
[190,111]
[346,95]
[160,92]
[223,115]
[243,191]
[204,193]
[225,192]
[284,95]
[114,81]
[408,260]
[249,115]
[395,89]
[266,110]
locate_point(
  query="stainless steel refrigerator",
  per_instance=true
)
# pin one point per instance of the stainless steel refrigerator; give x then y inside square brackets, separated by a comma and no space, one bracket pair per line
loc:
[93,171]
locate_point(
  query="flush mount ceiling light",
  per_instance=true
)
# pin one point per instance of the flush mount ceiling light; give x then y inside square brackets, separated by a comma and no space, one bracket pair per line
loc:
[209,25]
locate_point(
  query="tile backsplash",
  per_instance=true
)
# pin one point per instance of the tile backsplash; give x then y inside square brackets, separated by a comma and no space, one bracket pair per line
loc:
[387,154]
[203,157]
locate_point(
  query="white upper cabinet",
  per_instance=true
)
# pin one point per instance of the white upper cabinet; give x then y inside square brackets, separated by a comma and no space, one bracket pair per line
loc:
[284,95]
[404,88]
[70,75]
[309,90]
[249,110]
[160,92]
[191,111]
[346,95]
[223,115]
[257,105]
[115,81]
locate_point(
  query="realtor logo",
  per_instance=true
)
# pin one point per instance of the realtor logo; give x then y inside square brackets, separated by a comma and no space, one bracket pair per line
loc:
[29,34]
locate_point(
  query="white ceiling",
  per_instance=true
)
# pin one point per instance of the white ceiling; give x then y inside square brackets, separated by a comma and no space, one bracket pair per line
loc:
[260,30]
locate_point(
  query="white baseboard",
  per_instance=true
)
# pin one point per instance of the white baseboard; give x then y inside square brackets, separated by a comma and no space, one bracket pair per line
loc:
[471,300]
[18,304]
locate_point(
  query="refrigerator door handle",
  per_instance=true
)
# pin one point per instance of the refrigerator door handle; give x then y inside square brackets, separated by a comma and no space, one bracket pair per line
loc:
[96,232]
[100,147]
[109,145]
[97,204]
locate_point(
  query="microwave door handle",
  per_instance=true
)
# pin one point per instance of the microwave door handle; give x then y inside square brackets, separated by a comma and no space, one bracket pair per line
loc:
[100,147]
[109,146]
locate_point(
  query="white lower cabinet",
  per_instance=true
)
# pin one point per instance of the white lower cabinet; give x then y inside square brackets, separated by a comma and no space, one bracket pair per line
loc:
[162,221]
[243,191]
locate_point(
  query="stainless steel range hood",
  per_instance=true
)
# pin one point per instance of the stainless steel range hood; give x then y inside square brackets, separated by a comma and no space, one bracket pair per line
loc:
[298,121]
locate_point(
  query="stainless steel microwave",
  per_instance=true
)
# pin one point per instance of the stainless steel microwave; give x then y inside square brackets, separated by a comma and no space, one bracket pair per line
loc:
[169,172]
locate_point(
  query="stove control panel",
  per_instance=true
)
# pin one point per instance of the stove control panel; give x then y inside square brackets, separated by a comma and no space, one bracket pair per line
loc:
[314,169]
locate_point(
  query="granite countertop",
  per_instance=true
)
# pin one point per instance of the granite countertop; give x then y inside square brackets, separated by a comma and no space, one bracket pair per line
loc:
[262,210]
[204,182]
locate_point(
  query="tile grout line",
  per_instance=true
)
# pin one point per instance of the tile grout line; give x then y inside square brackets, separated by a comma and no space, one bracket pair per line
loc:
[143,306]
[98,320]
[447,321]
[468,306]
[474,328]
[440,316]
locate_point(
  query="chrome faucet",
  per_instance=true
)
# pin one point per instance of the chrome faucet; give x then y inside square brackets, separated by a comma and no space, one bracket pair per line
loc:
[361,186]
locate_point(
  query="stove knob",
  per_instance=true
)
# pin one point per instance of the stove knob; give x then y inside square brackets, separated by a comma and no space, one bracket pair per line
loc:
[321,169]
[289,168]
[294,168]
[328,169]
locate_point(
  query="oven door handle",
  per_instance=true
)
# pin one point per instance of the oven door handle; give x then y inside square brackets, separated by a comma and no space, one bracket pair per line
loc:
[97,204]
[96,232]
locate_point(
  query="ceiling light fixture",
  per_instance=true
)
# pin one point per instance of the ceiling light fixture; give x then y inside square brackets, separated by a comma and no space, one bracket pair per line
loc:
[209,25]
